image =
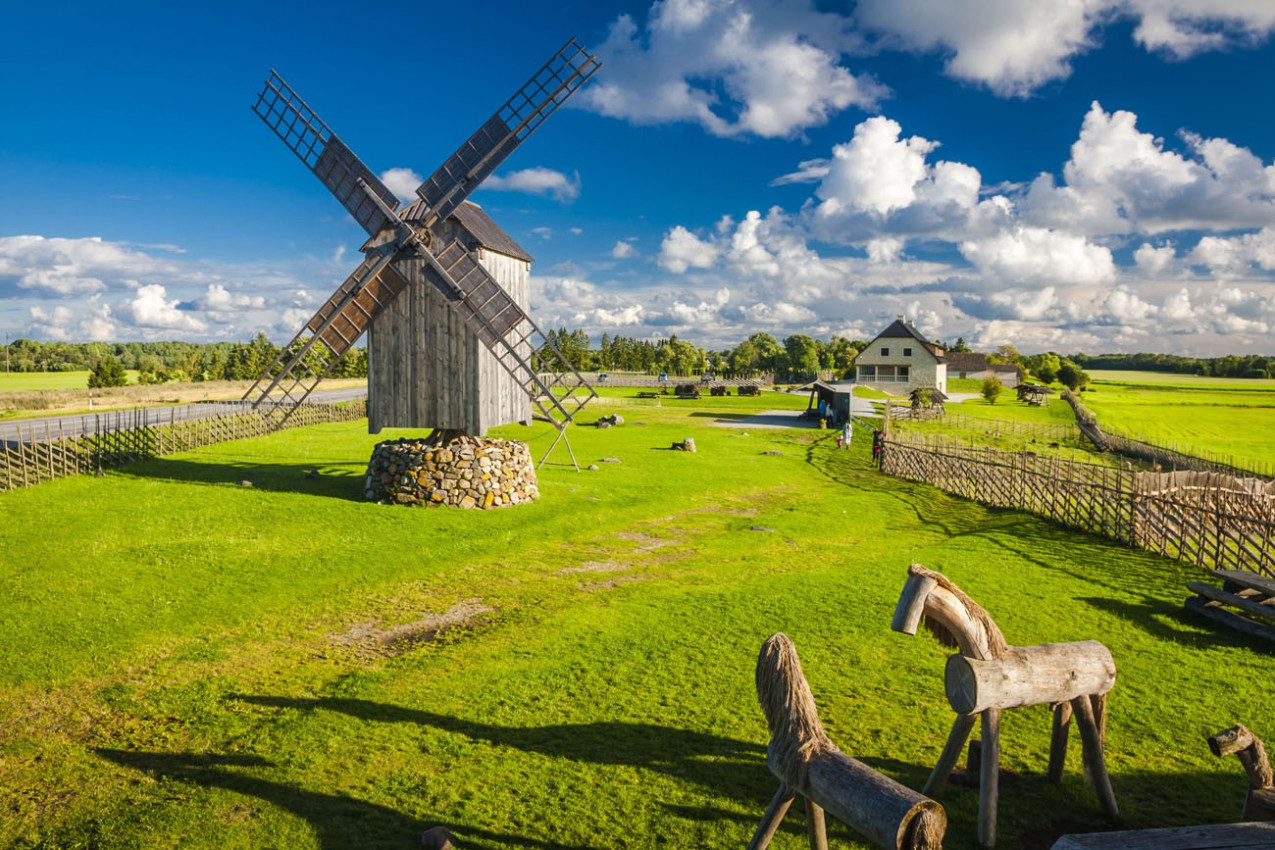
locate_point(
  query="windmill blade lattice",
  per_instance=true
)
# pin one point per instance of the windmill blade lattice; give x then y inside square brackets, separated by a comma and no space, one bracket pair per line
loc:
[323,153]
[480,155]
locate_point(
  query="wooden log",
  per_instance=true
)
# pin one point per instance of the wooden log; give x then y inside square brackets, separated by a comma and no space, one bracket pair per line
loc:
[1250,750]
[951,754]
[1229,618]
[911,604]
[1091,741]
[989,774]
[772,818]
[1029,675]
[885,812]
[815,826]
[1260,804]
[1058,742]
[1245,836]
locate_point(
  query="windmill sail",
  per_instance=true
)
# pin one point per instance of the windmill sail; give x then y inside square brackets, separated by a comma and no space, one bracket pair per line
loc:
[480,155]
[318,147]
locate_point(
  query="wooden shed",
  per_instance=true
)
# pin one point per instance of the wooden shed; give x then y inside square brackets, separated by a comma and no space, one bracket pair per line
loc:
[426,368]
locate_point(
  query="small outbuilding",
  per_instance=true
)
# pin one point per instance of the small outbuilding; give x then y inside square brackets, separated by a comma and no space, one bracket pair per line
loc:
[1034,394]
[928,399]
[969,364]
[829,400]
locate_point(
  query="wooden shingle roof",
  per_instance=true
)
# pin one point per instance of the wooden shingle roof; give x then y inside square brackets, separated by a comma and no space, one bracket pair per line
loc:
[478,223]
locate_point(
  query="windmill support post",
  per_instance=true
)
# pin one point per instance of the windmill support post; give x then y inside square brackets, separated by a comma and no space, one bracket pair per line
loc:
[989,676]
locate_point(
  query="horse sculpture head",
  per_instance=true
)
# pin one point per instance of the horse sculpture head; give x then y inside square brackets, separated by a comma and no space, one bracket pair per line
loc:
[932,599]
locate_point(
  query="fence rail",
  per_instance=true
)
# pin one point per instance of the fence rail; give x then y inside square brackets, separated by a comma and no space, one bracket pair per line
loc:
[1211,519]
[112,439]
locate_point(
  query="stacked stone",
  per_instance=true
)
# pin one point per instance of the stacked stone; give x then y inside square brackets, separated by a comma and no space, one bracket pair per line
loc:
[468,472]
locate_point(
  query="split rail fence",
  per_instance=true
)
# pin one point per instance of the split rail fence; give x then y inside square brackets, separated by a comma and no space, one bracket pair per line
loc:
[1211,519]
[46,452]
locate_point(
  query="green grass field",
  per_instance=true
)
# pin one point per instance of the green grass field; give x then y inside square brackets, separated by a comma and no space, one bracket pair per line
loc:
[33,381]
[190,662]
[1224,418]
[1116,376]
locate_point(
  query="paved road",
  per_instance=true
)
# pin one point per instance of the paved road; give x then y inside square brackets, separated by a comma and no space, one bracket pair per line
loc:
[15,431]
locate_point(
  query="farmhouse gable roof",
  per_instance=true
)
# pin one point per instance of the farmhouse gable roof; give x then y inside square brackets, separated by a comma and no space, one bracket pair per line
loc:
[900,328]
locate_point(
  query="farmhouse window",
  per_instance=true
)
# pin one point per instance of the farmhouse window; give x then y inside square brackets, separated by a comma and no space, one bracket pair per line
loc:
[907,352]
[885,352]
[867,373]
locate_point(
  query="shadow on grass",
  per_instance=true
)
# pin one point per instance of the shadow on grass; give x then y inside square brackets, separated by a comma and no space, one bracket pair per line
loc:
[338,822]
[331,481]
[722,765]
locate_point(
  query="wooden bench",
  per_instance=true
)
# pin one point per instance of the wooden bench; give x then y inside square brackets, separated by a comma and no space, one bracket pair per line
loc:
[1251,593]
[1237,836]
[648,395]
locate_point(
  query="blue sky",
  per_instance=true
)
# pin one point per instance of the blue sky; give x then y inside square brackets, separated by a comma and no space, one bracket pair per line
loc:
[1087,175]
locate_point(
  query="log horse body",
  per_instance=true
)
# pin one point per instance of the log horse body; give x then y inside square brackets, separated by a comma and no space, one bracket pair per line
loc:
[988,675]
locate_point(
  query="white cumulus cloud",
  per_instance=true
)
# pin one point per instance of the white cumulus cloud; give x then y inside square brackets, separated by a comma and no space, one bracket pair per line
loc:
[682,250]
[537,181]
[735,67]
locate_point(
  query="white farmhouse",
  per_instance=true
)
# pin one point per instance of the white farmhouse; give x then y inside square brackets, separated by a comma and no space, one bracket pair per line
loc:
[900,360]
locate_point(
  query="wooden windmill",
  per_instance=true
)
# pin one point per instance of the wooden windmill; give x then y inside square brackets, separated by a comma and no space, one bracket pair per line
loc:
[450,347]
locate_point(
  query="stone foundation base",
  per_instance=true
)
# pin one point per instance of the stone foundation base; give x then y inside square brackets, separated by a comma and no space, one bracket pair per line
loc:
[468,472]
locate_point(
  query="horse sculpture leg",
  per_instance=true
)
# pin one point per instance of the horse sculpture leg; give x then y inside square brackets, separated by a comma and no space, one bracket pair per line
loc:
[770,821]
[1091,739]
[1058,741]
[989,777]
[815,826]
[951,754]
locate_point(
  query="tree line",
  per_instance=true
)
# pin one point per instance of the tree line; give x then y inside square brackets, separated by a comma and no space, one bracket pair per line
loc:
[799,357]
[162,362]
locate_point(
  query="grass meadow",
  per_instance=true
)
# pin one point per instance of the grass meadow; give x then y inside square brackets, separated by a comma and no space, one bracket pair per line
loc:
[1228,418]
[191,662]
[26,382]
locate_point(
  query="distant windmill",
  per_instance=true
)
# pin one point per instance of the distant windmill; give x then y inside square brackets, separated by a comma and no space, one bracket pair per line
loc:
[450,347]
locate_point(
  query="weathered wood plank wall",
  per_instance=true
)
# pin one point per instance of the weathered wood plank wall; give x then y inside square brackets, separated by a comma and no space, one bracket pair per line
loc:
[426,369]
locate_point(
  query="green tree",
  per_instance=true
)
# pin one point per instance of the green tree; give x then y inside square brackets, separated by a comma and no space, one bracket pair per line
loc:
[803,356]
[992,388]
[107,372]
[1072,376]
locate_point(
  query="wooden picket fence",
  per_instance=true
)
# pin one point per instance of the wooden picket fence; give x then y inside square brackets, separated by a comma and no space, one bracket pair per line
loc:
[1210,519]
[45,452]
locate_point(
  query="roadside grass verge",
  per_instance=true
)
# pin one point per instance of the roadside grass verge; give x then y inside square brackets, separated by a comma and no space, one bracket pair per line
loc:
[192,662]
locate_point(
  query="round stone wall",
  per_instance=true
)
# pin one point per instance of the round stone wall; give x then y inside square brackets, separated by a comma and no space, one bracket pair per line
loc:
[468,472]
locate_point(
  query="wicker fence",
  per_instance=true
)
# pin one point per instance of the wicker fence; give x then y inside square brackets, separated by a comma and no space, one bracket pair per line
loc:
[43,453]
[1214,520]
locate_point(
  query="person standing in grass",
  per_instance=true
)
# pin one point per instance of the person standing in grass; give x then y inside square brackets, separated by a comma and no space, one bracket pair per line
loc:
[847,433]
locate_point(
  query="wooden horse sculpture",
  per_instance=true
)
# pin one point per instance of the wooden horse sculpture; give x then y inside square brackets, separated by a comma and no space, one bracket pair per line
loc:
[809,764]
[988,675]
[1248,748]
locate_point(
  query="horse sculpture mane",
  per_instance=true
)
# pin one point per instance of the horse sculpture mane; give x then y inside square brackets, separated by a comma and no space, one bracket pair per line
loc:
[942,631]
[796,735]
